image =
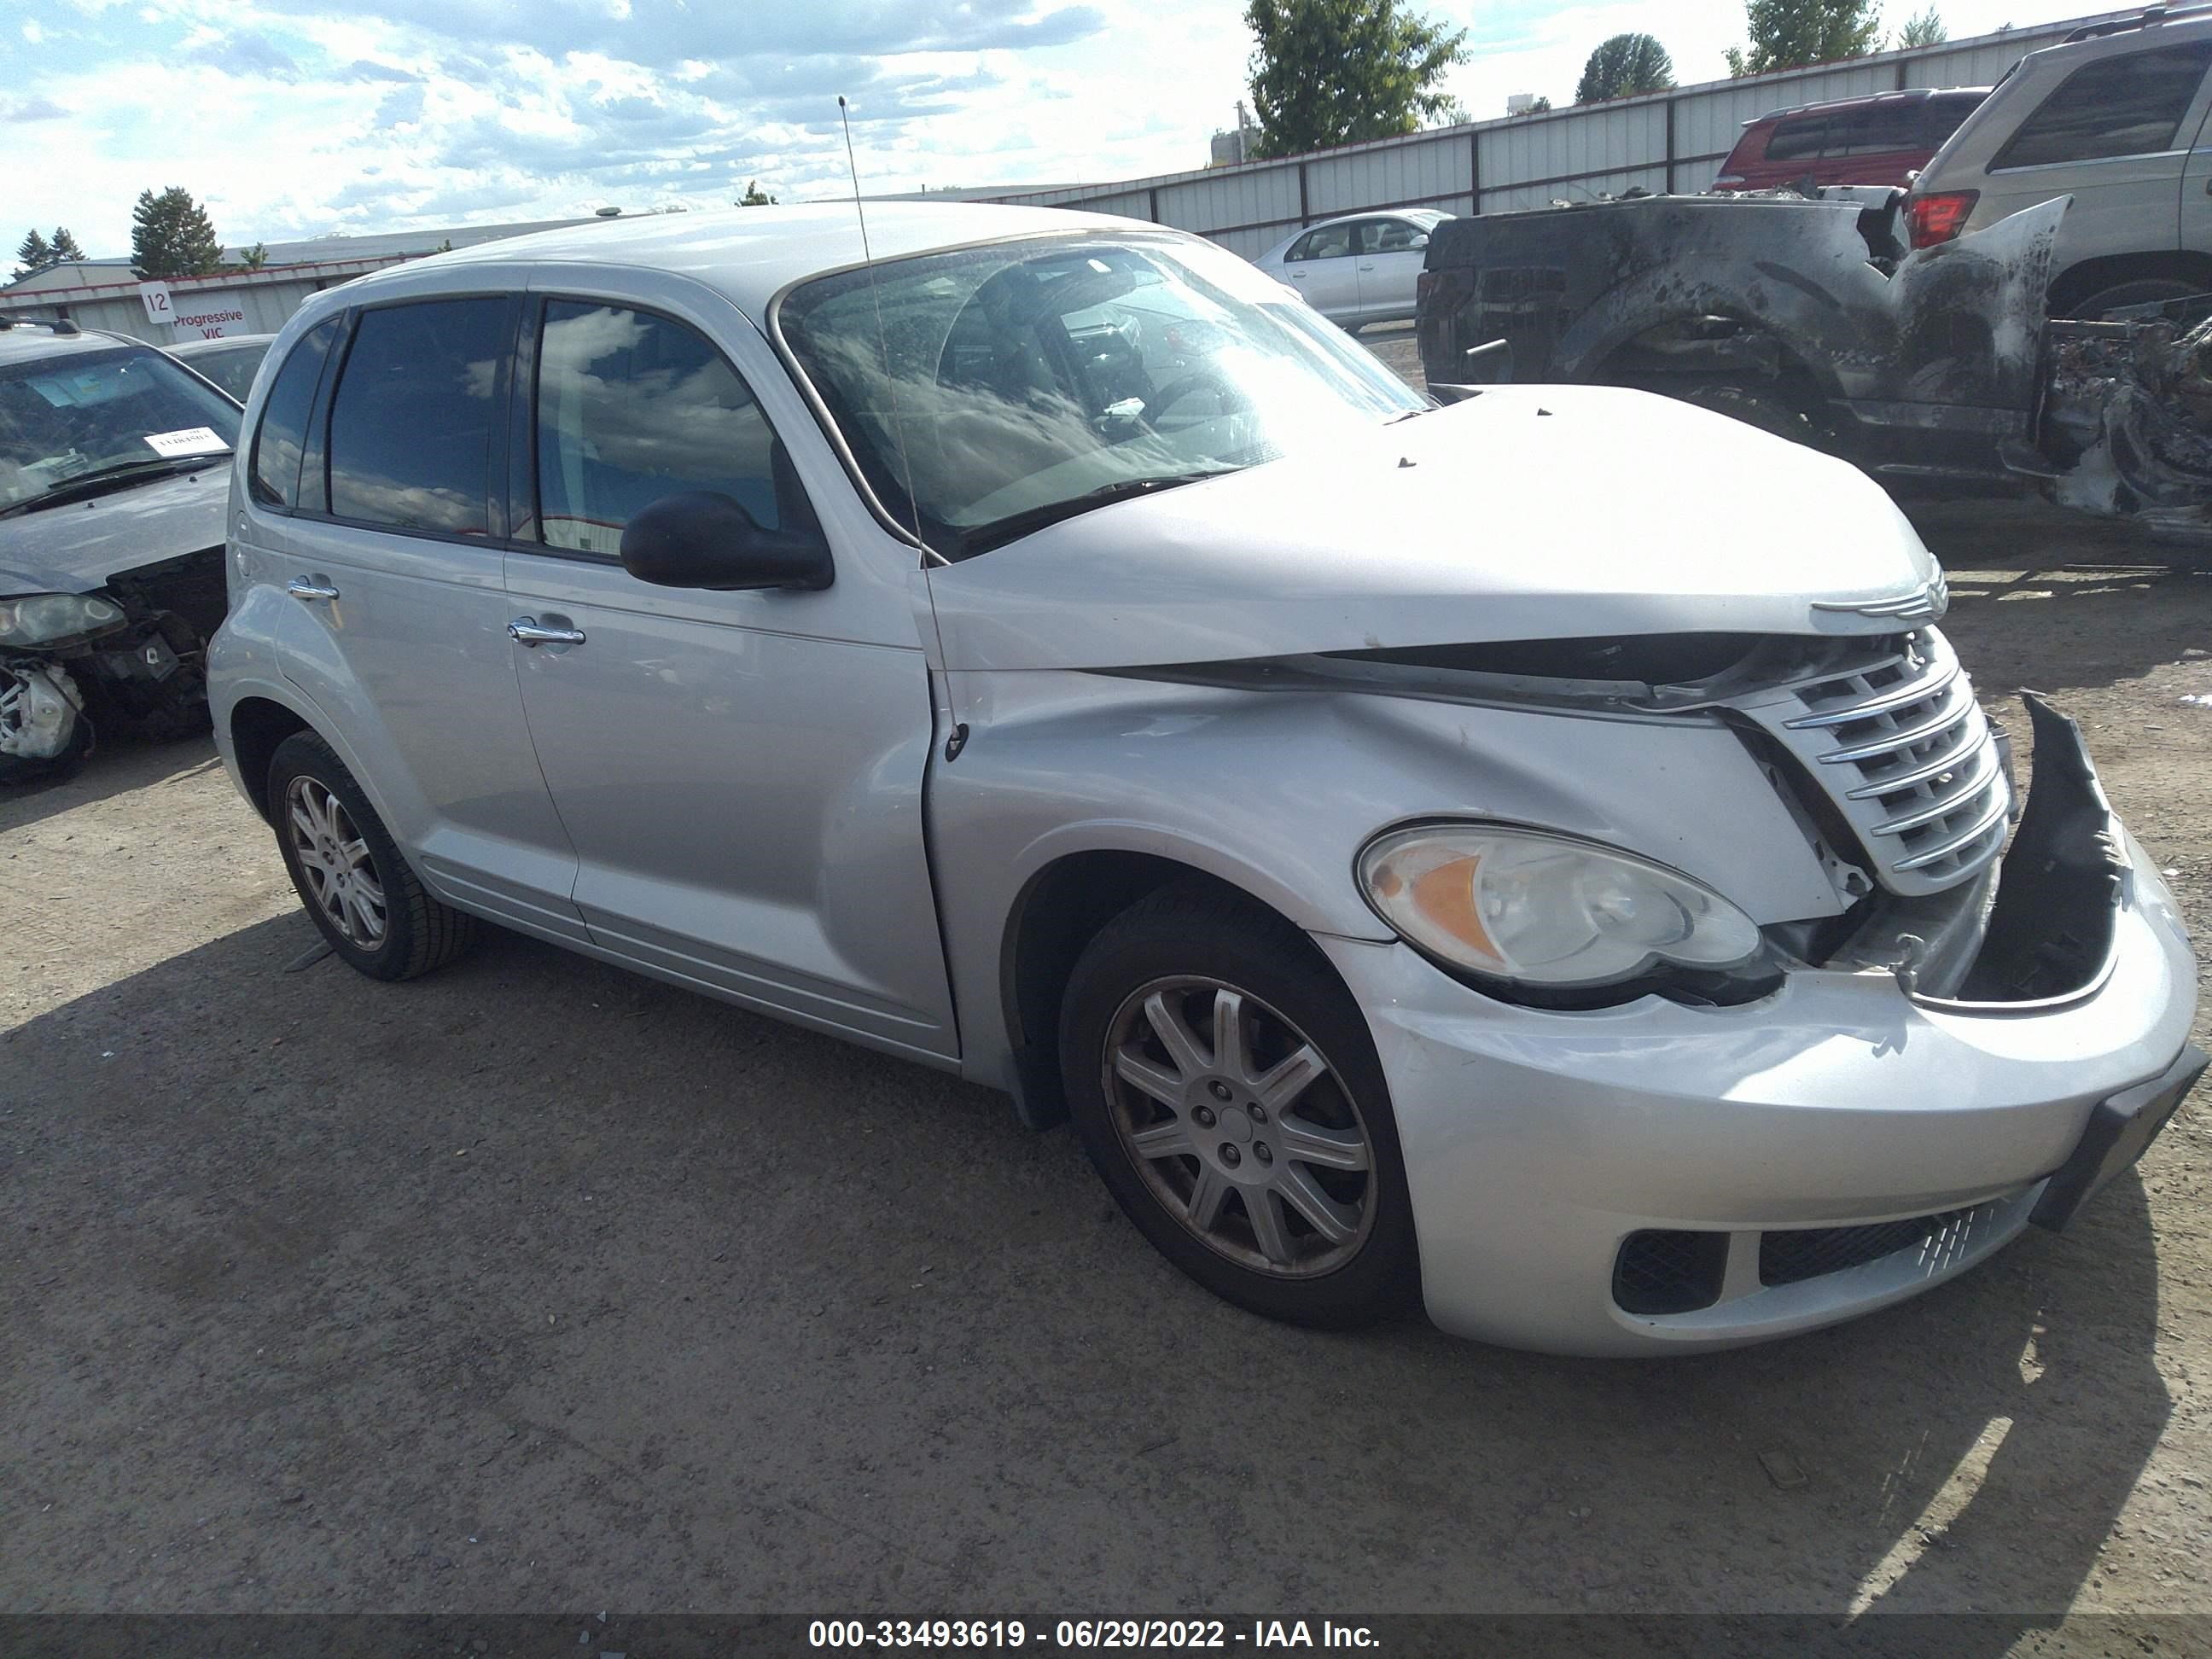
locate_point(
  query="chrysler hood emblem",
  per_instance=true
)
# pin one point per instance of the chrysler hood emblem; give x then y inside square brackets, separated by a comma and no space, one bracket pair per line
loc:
[1925,604]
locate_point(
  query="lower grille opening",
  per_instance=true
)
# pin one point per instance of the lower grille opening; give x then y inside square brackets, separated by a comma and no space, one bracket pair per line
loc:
[1669,1272]
[1790,1258]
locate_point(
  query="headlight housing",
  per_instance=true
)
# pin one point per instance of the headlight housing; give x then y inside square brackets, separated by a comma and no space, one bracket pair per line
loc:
[43,618]
[1546,912]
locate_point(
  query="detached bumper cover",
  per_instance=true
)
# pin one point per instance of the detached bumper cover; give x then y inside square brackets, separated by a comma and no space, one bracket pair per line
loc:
[1537,1142]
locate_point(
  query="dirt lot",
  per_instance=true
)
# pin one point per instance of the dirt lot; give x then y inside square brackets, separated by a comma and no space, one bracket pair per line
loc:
[532,1285]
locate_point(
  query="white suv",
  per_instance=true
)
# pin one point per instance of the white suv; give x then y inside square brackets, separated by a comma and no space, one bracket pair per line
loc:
[2114,116]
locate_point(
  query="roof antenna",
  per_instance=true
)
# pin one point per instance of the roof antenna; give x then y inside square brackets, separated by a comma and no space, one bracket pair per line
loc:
[930,555]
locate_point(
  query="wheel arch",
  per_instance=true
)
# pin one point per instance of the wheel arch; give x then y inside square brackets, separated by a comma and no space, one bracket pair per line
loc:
[2081,280]
[258,725]
[1059,910]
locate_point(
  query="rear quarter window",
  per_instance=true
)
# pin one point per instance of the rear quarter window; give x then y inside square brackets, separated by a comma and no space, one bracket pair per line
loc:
[282,437]
[2126,105]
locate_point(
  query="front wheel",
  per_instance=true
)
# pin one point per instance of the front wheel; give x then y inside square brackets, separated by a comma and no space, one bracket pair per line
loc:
[1227,1090]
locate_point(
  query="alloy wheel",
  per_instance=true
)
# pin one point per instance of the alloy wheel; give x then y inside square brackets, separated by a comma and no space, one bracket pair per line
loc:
[1240,1127]
[334,857]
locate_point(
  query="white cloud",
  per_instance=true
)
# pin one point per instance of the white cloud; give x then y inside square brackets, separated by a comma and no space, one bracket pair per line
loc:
[291,117]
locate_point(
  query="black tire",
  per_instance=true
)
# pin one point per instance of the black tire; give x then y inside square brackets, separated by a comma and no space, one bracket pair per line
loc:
[419,933]
[2147,290]
[1183,933]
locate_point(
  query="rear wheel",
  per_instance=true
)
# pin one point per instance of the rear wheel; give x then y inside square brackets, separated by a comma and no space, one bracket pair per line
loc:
[357,888]
[2144,291]
[1227,1090]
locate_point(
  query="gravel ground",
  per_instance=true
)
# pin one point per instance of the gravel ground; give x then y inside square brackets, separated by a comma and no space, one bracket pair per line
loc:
[533,1286]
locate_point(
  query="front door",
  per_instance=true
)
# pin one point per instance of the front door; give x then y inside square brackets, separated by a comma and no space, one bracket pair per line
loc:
[397,628]
[741,773]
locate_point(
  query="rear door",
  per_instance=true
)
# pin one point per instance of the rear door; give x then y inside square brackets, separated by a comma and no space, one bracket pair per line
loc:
[1391,255]
[742,773]
[396,625]
[1321,267]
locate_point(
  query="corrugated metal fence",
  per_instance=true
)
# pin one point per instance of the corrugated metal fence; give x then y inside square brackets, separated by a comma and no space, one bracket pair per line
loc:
[1671,141]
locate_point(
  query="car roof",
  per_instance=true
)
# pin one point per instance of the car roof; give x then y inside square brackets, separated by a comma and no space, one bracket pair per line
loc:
[1909,94]
[749,255]
[207,348]
[23,343]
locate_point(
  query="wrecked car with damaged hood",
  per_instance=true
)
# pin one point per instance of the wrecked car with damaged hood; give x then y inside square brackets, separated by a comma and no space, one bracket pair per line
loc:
[1050,653]
[112,467]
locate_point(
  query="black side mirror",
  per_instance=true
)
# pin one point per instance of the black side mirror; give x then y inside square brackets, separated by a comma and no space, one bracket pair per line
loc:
[704,538]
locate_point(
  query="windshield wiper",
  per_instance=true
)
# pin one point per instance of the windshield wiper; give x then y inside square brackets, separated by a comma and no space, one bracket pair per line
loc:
[1014,525]
[79,485]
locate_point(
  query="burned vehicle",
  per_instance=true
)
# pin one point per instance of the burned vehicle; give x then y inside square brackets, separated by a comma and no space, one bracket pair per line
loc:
[1807,315]
[112,478]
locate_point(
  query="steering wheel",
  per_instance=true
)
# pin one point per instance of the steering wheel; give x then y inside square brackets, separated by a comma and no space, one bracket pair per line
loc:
[1233,401]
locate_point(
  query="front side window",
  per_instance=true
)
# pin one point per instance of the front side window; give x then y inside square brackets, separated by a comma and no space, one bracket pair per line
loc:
[282,434]
[987,391]
[632,407]
[412,423]
[2126,105]
[68,420]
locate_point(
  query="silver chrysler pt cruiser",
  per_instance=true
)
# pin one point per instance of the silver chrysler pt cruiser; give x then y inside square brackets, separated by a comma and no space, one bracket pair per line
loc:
[1427,852]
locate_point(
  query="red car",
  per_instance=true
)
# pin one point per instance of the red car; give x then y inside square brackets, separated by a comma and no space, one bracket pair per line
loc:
[1881,140]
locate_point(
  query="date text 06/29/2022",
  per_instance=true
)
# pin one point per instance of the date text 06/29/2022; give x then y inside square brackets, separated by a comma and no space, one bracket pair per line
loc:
[1086,1633]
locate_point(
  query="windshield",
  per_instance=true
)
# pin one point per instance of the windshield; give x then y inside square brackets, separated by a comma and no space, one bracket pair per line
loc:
[1026,381]
[81,412]
[230,367]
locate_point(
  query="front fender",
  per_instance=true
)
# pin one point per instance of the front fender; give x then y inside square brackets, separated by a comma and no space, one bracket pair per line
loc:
[1274,792]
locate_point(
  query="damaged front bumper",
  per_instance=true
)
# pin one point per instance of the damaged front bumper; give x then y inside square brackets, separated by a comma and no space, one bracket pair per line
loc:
[1657,1176]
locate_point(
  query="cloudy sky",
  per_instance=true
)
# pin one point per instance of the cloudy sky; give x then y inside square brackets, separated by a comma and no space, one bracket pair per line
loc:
[299,118]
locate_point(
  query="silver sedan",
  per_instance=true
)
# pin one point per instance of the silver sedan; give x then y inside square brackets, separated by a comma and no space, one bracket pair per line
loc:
[1362,268]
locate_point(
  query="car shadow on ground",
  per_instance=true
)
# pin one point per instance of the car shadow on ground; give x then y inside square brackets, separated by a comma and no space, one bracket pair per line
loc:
[536,1285]
[117,767]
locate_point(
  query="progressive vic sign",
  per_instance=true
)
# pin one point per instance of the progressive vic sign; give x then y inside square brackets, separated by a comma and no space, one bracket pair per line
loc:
[202,314]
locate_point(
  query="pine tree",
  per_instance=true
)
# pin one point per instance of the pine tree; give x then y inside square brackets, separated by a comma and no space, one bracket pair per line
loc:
[755,196]
[36,252]
[170,235]
[1924,29]
[1337,71]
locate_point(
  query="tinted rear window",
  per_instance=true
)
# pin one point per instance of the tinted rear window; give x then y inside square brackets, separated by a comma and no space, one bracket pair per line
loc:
[411,425]
[282,434]
[1877,129]
[2127,106]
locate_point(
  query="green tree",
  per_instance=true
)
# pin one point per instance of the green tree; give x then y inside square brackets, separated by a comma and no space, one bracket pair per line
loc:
[1792,33]
[254,257]
[755,196]
[1624,66]
[1924,29]
[1542,106]
[66,252]
[170,235]
[1337,71]
[36,254]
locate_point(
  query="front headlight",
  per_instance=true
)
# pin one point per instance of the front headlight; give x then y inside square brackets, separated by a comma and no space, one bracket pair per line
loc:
[1541,909]
[42,618]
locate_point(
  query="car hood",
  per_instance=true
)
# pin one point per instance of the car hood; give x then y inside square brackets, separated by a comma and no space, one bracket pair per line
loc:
[1527,512]
[78,546]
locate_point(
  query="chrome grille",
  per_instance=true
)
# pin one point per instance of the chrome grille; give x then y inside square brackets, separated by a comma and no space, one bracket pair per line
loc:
[1895,742]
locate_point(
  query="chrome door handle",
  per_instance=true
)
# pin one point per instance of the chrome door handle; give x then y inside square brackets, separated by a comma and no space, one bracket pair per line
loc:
[300,588]
[524,630]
